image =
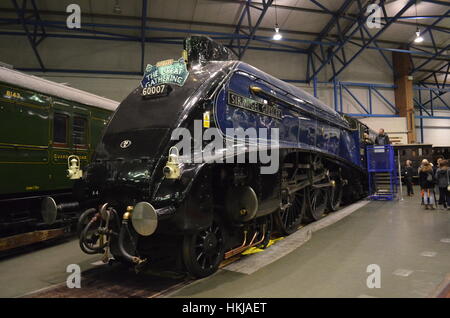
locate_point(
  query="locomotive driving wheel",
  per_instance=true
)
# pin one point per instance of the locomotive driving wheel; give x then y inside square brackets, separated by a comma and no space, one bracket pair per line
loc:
[289,219]
[317,203]
[204,250]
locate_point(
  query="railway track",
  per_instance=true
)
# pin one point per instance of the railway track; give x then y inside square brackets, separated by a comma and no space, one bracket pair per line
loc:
[114,281]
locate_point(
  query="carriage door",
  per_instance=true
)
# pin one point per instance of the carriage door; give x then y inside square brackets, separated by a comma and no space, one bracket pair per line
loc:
[60,145]
[80,134]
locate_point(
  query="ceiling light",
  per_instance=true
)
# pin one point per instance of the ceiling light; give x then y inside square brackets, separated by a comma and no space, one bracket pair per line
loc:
[277,36]
[418,38]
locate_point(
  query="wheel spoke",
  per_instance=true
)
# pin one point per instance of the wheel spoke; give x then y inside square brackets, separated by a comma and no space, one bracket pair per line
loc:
[210,260]
[204,262]
[199,256]
[285,216]
[291,217]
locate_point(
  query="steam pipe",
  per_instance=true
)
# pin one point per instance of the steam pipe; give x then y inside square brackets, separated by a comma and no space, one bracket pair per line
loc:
[85,247]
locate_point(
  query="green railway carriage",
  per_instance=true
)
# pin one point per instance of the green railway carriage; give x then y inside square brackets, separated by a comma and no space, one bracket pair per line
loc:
[42,123]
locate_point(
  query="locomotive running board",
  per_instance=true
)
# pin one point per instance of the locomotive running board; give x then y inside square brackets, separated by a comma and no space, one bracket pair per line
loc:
[252,263]
[19,240]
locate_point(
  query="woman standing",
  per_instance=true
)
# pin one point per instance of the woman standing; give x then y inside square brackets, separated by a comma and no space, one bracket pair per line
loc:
[443,181]
[427,183]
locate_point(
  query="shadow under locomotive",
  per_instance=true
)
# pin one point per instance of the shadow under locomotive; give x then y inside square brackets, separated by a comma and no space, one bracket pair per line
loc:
[143,203]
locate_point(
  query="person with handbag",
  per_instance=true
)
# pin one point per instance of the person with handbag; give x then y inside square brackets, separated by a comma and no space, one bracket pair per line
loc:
[443,182]
[427,183]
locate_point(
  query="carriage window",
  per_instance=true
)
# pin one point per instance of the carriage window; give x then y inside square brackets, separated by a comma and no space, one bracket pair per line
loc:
[79,130]
[60,128]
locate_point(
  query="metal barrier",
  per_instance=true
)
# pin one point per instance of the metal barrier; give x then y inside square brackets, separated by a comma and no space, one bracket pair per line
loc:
[383,174]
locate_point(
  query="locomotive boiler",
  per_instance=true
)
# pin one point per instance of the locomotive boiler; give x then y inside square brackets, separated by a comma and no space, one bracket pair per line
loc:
[264,156]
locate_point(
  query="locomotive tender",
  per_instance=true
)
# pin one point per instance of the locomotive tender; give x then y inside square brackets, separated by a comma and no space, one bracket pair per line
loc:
[144,201]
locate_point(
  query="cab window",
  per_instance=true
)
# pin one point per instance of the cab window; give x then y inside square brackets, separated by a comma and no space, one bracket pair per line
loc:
[79,131]
[60,128]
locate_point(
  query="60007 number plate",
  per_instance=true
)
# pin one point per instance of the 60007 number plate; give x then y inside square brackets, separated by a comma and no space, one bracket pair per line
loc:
[156,91]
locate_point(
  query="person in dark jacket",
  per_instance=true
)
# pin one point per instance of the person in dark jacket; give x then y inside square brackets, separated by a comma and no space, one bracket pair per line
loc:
[427,183]
[443,181]
[382,138]
[408,173]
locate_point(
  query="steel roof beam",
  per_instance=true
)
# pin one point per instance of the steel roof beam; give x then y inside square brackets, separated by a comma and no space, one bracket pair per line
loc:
[59,25]
[332,22]
[216,35]
[437,51]
[36,37]
[343,40]
[208,24]
[348,16]
[143,21]
[440,70]
[443,3]
[161,40]
[369,41]
[438,95]
[374,37]
[246,15]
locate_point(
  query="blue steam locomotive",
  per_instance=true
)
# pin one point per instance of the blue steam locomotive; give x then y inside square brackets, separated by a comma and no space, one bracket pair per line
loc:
[265,156]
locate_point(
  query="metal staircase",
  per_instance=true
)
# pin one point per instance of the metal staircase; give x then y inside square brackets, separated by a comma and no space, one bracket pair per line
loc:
[383,176]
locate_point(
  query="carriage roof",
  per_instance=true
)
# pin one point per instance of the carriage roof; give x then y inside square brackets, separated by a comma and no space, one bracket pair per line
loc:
[44,86]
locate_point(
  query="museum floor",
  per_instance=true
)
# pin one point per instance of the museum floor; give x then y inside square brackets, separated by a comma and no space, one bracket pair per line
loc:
[411,246]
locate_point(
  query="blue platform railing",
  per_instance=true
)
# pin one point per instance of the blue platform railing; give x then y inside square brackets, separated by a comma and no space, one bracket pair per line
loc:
[383,175]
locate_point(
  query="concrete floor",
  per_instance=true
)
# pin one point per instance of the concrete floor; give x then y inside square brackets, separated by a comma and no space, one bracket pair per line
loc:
[400,237]
[27,272]
[333,263]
